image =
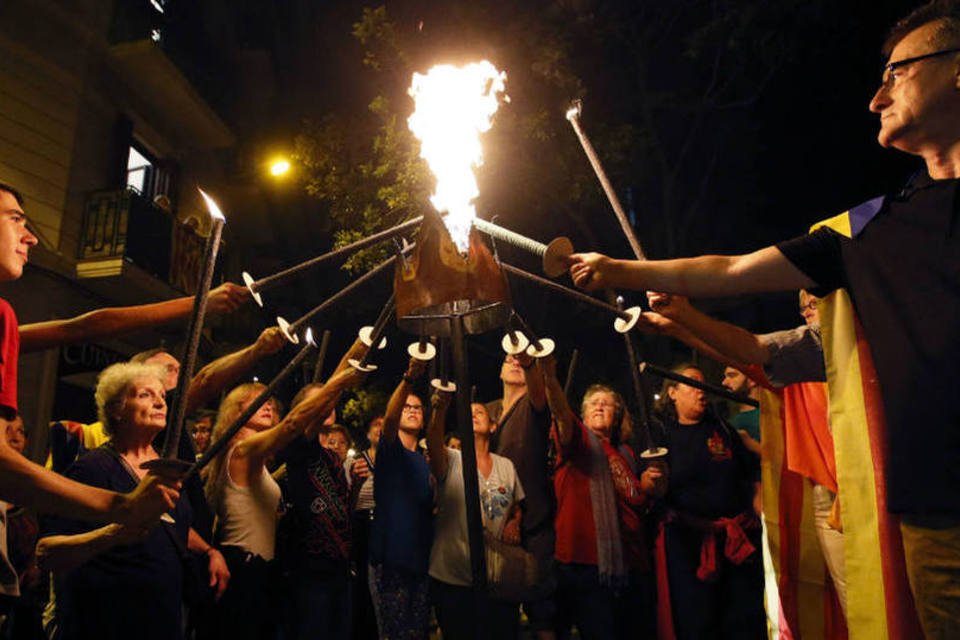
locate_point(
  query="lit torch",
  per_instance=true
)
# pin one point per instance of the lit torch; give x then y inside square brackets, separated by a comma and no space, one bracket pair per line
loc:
[454,105]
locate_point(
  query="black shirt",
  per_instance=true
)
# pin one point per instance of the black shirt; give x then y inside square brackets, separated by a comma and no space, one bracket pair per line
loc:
[902,272]
[129,590]
[711,472]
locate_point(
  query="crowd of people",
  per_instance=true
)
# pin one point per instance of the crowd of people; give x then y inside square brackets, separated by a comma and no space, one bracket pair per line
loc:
[296,531]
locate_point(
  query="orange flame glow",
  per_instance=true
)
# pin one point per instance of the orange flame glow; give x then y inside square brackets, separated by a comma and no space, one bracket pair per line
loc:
[454,105]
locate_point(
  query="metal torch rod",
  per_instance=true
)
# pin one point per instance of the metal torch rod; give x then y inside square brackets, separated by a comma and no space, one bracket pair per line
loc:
[218,446]
[534,340]
[573,115]
[554,255]
[510,237]
[471,480]
[567,291]
[318,368]
[171,441]
[571,369]
[723,392]
[379,327]
[343,293]
[270,281]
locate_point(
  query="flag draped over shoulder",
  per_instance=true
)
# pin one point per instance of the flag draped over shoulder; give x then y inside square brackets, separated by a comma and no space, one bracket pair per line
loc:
[879,603]
[799,595]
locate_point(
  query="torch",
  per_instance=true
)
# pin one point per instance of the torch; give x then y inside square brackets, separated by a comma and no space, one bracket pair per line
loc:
[171,440]
[257,286]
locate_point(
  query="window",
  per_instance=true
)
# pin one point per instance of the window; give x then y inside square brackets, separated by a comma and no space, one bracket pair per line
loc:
[139,169]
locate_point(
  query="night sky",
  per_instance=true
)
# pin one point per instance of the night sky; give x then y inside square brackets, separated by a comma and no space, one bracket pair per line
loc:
[796,144]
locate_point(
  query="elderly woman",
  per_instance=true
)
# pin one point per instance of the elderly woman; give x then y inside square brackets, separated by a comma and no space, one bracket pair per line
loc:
[711,535]
[120,581]
[245,498]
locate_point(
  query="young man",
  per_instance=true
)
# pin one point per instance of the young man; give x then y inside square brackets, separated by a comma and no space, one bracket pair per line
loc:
[21,481]
[897,259]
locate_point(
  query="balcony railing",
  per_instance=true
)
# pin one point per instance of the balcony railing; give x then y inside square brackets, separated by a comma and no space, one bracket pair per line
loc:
[124,226]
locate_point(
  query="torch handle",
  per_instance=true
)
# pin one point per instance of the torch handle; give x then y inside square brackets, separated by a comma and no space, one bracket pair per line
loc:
[573,115]
[171,440]
[324,344]
[646,367]
[343,293]
[378,328]
[510,237]
[277,278]
[570,293]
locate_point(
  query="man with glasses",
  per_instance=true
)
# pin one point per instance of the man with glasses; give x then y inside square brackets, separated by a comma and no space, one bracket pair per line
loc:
[523,436]
[890,269]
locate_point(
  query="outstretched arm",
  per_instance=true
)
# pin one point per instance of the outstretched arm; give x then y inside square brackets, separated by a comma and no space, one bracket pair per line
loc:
[735,345]
[439,461]
[118,320]
[764,270]
[223,372]
[257,448]
[391,419]
[26,483]
[557,401]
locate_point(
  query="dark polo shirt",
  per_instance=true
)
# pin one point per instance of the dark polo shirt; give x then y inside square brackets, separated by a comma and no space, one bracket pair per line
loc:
[902,272]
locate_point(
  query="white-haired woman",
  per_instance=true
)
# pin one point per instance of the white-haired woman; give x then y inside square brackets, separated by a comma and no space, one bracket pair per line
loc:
[245,499]
[119,581]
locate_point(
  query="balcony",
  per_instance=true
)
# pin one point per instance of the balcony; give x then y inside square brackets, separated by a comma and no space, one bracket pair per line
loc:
[129,246]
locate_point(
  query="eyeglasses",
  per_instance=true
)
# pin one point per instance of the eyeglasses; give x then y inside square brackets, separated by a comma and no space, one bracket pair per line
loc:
[602,404]
[889,69]
[413,407]
[810,306]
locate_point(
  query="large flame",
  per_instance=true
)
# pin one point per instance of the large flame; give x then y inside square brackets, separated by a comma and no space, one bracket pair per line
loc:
[454,105]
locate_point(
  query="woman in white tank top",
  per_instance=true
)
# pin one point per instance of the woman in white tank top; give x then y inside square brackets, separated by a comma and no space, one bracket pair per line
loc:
[245,498]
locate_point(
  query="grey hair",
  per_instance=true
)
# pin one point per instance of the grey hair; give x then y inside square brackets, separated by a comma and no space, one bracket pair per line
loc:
[112,385]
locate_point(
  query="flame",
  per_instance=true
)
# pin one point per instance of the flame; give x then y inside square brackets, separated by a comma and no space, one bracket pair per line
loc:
[211,206]
[454,105]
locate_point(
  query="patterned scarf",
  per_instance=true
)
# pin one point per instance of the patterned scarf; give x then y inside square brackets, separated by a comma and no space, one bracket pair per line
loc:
[610,564]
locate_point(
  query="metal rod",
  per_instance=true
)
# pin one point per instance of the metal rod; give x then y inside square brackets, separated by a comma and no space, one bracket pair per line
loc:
[378,328]
[723,392]
[567,291]
[171,439]
[318,368]
[510,237]
[270,281]
[643,412]
[340,295]
[471,481]
[218,446]
[534,340]
[571,369]
[555,255]
[573,115]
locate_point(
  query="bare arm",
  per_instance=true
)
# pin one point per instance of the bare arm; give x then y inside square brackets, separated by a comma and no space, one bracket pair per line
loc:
[557,401]
[391,419]
[317,406]
[764,270]
[216,563]
[736,345]
[26,483]
[223,372]
[437,450]
[118,320]
[63,553]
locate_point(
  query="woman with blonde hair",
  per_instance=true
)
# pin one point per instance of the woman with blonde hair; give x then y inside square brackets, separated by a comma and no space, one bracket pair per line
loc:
[245,498]
[122,581]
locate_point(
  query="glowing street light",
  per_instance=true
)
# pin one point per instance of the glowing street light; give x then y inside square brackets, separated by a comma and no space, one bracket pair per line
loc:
[279,167]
